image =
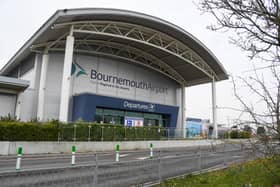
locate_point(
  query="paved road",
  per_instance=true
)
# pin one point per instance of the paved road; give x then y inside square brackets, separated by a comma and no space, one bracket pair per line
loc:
[134,168]
[7,163]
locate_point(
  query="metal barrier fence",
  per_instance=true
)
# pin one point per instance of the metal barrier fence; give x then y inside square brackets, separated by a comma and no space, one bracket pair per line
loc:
[126,173]
[111,133]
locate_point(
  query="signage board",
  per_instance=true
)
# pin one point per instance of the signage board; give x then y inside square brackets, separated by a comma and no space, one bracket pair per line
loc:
[133,122]
[149,107]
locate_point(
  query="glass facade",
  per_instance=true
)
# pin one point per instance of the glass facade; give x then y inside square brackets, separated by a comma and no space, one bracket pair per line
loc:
[113,116]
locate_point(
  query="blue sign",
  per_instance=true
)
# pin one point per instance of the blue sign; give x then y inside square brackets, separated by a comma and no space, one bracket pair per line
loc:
[84,107]
[139,106]
[133,122]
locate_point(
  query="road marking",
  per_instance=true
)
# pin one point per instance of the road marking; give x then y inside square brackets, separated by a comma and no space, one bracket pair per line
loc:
[123,155]
[237,156]
[142,158]
[170,156]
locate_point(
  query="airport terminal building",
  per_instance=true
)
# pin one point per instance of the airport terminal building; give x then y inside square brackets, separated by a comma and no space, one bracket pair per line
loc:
[109,66]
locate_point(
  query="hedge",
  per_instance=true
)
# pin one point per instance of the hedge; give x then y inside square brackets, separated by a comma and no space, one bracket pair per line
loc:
[24,131]
[239,134]
[55,131]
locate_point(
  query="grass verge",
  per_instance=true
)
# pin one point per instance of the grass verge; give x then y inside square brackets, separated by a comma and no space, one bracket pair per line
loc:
[260,173]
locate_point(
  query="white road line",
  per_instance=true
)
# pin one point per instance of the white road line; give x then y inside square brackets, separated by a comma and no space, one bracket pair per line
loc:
[123,155]
[142,158]
[237,156]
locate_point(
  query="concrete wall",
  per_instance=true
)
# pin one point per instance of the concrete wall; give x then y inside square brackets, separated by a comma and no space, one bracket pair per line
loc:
[26,106]
[7,104]
[10,148]
[53,86]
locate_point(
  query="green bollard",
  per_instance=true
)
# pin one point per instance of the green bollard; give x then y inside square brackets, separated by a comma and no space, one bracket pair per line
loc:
[73,155]
[117,153]
[19,158]
[151,151]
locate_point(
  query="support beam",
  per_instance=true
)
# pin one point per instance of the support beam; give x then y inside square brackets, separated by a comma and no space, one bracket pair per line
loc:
[214,109]
[66,79]
[42,86]
[199,64]
[183,111]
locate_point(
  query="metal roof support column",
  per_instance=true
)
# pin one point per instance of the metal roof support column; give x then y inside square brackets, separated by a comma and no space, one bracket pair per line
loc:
[42,86]
[178,130]
[66,78]
[214,108]
[183,111]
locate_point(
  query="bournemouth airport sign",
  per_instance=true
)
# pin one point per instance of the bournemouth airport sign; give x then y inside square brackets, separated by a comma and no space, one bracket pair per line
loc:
[123,83]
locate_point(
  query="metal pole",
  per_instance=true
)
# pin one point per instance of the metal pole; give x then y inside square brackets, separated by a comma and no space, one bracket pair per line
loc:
[89,127]
[114,133]
[224,155]
[75,133]
[117,153]
[151,150]
[19,158]
[214,108]
[168,133]
[144,137]
[73,155]
[124,132]
[183,112]
[102,133]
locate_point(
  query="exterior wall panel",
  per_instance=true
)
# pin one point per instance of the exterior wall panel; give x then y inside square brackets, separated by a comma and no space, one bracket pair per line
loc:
[8,103]
[26,100]
[107,66]
[53,86]
[82,82]
[125,70]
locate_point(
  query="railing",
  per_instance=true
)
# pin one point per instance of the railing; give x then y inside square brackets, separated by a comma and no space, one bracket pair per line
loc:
[127,173]
[111,133]
[82,131]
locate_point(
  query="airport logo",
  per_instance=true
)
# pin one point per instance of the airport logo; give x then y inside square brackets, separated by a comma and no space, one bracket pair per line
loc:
[113,81]
[77,70]
[152,107]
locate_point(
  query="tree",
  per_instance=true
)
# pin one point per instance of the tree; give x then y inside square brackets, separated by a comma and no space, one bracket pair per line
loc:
[256,30]
[267,93]
[256,24]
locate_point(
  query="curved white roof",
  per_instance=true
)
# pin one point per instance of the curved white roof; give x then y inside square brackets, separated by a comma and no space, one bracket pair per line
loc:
[137,37]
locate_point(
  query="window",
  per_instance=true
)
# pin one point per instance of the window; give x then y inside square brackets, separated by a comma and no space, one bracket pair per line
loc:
[134,114]
[114,116]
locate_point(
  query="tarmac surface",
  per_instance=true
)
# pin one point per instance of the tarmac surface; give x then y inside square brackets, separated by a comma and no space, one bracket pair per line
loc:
[134,168]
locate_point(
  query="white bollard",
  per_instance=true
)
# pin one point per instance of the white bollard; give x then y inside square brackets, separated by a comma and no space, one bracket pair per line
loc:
[151,150]
[117,153]
[73,155]
[19,158]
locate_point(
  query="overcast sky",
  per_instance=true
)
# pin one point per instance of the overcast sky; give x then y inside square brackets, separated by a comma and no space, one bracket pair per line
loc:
[20,19]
